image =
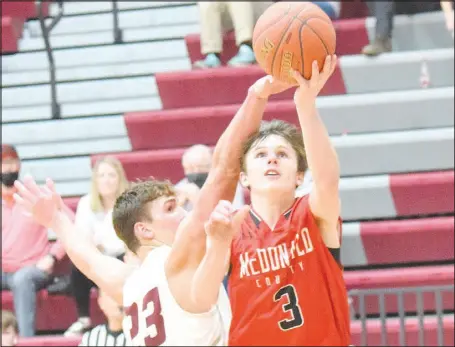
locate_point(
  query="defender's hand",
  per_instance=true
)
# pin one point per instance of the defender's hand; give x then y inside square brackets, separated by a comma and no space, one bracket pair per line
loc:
[42,203]
[223,223]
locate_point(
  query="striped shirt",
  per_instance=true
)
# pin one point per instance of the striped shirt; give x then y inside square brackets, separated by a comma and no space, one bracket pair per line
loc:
[102,336]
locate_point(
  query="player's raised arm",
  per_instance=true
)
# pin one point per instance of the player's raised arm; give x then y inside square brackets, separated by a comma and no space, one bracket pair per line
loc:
[220,230]
[224,174]
[44,204]
[321,155]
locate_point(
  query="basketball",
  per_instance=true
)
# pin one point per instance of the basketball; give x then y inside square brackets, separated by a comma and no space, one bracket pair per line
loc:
[293,35]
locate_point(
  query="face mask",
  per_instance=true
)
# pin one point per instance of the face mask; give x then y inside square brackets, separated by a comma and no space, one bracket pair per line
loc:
[197,178]
[8,178]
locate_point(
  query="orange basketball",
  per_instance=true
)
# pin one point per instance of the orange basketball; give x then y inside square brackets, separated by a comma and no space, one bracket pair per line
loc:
[293,34]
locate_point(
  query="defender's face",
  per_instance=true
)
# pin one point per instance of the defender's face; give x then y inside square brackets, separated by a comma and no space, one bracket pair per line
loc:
[271,166]
[166,218]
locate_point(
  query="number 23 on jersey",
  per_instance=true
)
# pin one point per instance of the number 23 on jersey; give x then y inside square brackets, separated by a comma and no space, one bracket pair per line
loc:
[147,321]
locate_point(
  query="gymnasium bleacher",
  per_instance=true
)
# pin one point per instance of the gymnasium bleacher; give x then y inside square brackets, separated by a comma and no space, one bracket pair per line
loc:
[140,101]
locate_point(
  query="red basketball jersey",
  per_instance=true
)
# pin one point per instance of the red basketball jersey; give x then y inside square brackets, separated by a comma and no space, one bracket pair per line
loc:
[285,286]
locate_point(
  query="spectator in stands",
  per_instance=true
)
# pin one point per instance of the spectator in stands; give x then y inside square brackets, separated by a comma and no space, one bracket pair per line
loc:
[28,256]
[196,162]
[94,216]
[384,12]
[9,329]
[331,8]
[110,333]
[218,16]
[447,9]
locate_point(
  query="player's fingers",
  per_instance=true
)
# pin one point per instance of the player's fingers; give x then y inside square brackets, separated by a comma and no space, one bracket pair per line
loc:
[31,185]
[327,66]
[55,196]
[24,192]
[24,203]
[225,207]
[219,218]
[314,72]
[298,77]
[239,217]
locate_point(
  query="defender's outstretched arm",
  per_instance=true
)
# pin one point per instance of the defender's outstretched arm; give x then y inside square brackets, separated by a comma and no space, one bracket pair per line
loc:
[45,205]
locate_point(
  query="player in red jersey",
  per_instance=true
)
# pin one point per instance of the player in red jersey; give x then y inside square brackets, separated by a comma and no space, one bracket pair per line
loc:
[286,284]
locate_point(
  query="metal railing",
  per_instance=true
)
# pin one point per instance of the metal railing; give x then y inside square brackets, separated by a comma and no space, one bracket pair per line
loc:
[46,30]
[402,302]
[118,34]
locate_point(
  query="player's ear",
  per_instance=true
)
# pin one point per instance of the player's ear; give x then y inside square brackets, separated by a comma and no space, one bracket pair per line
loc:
[244,180]
[142,231]
[299,178]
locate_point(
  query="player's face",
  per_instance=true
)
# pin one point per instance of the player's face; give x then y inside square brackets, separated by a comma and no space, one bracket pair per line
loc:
[271,167]
[166,218]
[107,180]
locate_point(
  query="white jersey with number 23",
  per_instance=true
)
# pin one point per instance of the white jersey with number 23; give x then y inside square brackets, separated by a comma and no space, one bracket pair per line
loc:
[154,318]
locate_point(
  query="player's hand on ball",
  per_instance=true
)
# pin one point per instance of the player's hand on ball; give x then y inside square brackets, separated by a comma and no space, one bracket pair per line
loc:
[268,85]
[42,203]
[223,223]
[308,90]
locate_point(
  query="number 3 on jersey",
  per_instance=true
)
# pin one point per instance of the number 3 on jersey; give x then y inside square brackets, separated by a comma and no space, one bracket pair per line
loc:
[154,319]
[292,306]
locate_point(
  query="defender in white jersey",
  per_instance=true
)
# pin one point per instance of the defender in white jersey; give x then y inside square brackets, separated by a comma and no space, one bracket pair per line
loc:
[173,296]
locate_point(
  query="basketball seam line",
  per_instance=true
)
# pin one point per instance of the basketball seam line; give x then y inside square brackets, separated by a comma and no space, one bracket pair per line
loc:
[282,37]
[319,37]
[284,15]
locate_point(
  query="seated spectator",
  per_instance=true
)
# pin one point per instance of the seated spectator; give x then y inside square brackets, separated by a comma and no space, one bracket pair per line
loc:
[217,17]
[196,162]
[94,216]
[447,9]
[28,256]
[110,333]
[384,12]
[331,8]
[9,329]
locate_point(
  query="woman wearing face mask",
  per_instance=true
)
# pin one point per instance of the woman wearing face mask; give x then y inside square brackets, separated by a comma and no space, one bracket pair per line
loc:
[94,215]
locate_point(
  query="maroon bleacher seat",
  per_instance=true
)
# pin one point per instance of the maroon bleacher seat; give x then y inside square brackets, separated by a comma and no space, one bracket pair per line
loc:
[351,37]
[23,9]
[11,33]
[56,312]
[423,193]
[192,125]
[49,340]
[408,241]
[220,86]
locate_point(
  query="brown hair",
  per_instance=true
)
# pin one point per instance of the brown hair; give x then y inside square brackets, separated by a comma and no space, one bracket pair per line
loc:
[131,207]
[95,198]
[281,128]
[9,320]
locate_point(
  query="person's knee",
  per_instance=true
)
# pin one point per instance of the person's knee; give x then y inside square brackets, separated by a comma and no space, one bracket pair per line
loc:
[28,277]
